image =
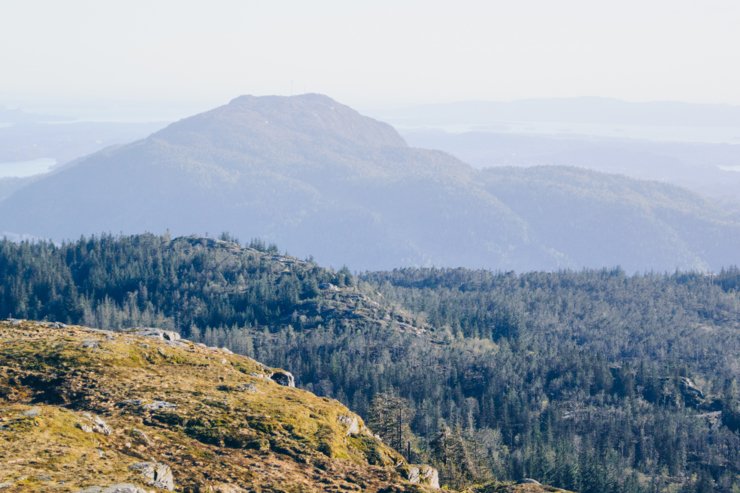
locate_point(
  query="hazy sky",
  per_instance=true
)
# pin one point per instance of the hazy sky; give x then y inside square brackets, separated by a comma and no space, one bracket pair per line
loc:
[368,54]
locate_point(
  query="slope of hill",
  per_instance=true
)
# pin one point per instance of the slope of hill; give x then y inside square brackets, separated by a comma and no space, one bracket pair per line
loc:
[592,218]
[705,168]
[91,410]
[592,381]
[320,179]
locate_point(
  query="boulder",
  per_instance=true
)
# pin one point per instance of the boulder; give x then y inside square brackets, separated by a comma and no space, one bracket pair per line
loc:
[165,335]
[247,387]
[423,475]
[530,481]
[156,474]
[352,423]
[284,378]
[140,437]
[93,424]
[91,344]
[159,405]
[32,413]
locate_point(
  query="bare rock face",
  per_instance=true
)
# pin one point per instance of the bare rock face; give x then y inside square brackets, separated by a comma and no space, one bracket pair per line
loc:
[165,335]
[155,474]
[352,423]
[691,393]
[423,475]
[284,378]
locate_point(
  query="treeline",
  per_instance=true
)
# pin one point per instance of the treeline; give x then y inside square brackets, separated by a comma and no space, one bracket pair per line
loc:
[594,381]
[180,284]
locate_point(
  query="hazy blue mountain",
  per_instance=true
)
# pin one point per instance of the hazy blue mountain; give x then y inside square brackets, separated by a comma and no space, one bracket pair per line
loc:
[28,140]
[17,115]
[710,169]
[320,179]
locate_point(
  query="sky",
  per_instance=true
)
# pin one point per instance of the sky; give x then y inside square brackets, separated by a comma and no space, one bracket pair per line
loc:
[184,55]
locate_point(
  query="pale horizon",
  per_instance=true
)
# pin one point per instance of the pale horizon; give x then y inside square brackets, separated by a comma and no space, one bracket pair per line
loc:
[189,56]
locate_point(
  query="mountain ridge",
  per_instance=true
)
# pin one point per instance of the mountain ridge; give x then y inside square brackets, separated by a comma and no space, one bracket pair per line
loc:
[320,179]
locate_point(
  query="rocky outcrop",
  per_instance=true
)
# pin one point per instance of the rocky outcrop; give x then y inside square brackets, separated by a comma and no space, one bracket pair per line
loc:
[424,475]
[691,393]
[155,474]
[159,405]
[93,424]
[284,378]
[165,335]
[352,423]
[530,481]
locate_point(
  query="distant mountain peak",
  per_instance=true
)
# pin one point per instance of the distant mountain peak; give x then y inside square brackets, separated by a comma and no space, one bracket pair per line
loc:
[285,121]
[311,97]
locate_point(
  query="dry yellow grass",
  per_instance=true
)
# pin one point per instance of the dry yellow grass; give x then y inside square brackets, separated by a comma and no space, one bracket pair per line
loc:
[214,418]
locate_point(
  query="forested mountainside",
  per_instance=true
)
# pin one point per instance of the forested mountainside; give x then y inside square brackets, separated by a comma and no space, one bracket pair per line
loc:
[594,381]
[704,168]
[320,179]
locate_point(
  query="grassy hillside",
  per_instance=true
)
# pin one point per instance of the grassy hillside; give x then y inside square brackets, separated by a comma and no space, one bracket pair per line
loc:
[81,408]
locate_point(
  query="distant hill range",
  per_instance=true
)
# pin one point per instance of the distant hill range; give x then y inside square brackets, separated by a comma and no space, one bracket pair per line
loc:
[573,111]
[320,179]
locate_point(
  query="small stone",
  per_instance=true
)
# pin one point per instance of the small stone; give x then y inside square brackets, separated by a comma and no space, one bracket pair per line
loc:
[140,437]
[94,424]
[84,427]
[159,405]
[247,387]
[90,344]
[130,403]
[32,413]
